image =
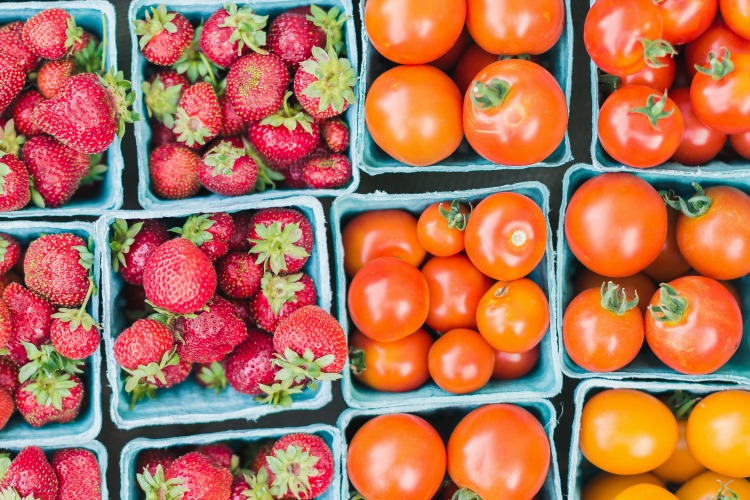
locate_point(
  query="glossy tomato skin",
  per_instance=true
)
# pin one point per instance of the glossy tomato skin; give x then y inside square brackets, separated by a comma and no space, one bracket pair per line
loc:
[624,431]
[616,224]
[388,299]
[434,233]
[474,60]
[461,361]
[529,122]
[411,31]
[686,20]
[398,366]
[706,486]
[716,37]
[606,486]
[718,432]
[681,466]
[659,79]
[638,283]
[414,114]
[448,61]
[736,14]
[741,144]
[499,451]
[456,287]
[700,143]
[512,366]
[506,236]
[381,233]
[641,491]
[707,334]
[724,104]
[670,264]
[396,456]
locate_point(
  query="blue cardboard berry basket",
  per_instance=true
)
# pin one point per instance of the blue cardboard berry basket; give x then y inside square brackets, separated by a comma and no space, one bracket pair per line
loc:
[17,433]
[646,364]
[129,489]
[200,10]
[98,18]
[545,380]
[188,402]
[373,160]
[445,418]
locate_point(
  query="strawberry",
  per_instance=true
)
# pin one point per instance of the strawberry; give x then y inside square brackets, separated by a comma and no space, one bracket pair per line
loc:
[50,399]
[86,40]
[211,376]
[30,475]
[73,332]
[173,170]
[88,56]
[51,33]
[256,84]
[175,374]
[195,65]
[250,365]
[239,275]
[8,375]
[10,141]
[334,171]
[10,251]
[227,170]
[161,134]
[198,116]
[162,93]
[220,454]
[301,465]
[291,36]
[324,84]
[282,238]
[191,477]
[259,457]
[242,308]
[294,174]
[132,246]
[239,239]
[14,184]
[179,277]
[151,459]
[209,232]
[211,334]
[335,133]
[163,36]
[78,475]
[7,407]
[56,170]
[6,325]
[12,45]
[285,136]
[23,111]
[145,342]
[58,267]
[231,123]
[31,317]
[52,75]
[12,79]
[231,32]
[280,296]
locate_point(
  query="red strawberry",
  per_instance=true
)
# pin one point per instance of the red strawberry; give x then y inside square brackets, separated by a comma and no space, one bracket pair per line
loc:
[239,239]
[6,325]
[239,275]
[78,474]
[10,251]
[51,33]
[335,171]
[56,169]
[335,133]
[294,174]
[179,277]
[209,232]
[195,65]
[231,32]
[282,238]
[162,93]
[163,36]
[74,334]
[173,170]
[231,123]
[191,477]
[291,36]
[198,116]
[86,39]
[285,136]
[12,79]
[8,375]
[52,75]
[161,134]
[30,475]
[259,458]
[280,296]
[301,465]
[145,342]
[151,459]
[31,316]
[211,376]
[227,170]
[220,454]
[12,45]
[14,184]
[251,364]
[58,267]
[211,334]
[23,111]
[175,374]
[132,246]
[242,308]
[7,407]
[324,84]
[256,84]
[49,399]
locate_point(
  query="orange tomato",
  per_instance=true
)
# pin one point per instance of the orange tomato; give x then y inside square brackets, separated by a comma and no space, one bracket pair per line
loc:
[511,366]
[710,486]
[606,486]
[447,61]
[681,466]
[670,264]
[643,491]
[474,60]
[440,228]
[461,361]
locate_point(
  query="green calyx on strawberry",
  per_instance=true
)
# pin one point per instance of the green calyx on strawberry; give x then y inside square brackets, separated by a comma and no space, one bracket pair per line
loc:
[304,368]
[122,98]
[195,65]
[213,377]
[76,318]
[289,116]
[258,487]
[90,59]
[156,21]
[151,372]
[96,172]
[267,177]
[248,28]
[10,141]
[161,102]
[222,158]
[196,229]
[280,393]
[275,243]
[121,239]
[331,23]
[333,83]
[280,289]
[50,390]
[73,34]
[45,362]
[157,486]
[292,469]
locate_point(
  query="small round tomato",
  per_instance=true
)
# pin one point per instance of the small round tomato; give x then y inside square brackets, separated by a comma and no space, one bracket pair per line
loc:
[700,144]
[474,60]
[716,37]
[514,365]
[412,31]
[441,226]
[638,285]
[602,331]
[718,432]
[710,486]
[720,94]
[659,78]
[670,264]
[640,127]
[624,431]
[381,233]
[616,224]
[513,316]
[694,325]
[726,284]
[396,456]
[506,236]
[456,287]
[388,299]
[448,61]
[398,366]
[515,113]
[641,491]
[606,486]
[461,361]
[686,20]
[414,114]
[741,144]
[736,13]
[682,465]
[499,451]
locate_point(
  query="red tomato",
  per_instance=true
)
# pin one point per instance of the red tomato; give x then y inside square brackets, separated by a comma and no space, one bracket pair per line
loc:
[474,60]
[398,366]
[448,60]
[694,325]
[514,365]
[721,97]
[741,144]
[412,31]
[456,287]
[700,143]
[515,113]
[638,283]
[640,127]
[686,20]
[499,451]
[396,456]
[659,78]
[506,236]
[388,299]
[616,224]
[461,361]
[713,40]
[726,284]
[670,264]
[441,226]
[736,14]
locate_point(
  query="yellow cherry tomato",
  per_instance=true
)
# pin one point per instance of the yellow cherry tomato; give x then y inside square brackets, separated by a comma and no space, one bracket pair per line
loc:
[645,492]
[682,465]
[710,486]
[607,486]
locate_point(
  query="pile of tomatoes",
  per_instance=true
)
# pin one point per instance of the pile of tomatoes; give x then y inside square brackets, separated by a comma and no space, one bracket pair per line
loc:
[680,70]
[647,446]
[466,67]
[454,274]
[497,452]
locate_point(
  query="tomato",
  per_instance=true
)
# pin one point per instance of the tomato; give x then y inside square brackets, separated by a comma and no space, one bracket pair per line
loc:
[717,36]
[602,331]
[718,432]
[414,114]
[512,27]
[448,60]
[721,95]
[398,366]
[641,491]
[506,236]
[396,456]
[380,233]
[499,451]
[686,20]
[640,127]
[513,316]
[741,144]
[700,143]
[606,486]
[682,465]
[412,31]
[670,264]
[694,325]
[456,287]
[514,365]
[736,14]
[441,226]
[616,224]
[624,431]
[710,486]
[515,113]
[726,284]
[638,283]
[474,60]
[388,299]
[658,78]
[461,361]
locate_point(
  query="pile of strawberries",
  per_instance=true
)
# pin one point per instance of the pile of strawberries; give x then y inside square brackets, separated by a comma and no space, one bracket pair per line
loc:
[60,110]
[45,331]
[226,295]
[298,465]
[239,103]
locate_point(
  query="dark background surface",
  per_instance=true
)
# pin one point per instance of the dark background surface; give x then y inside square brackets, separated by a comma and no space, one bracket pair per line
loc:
[580,135]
